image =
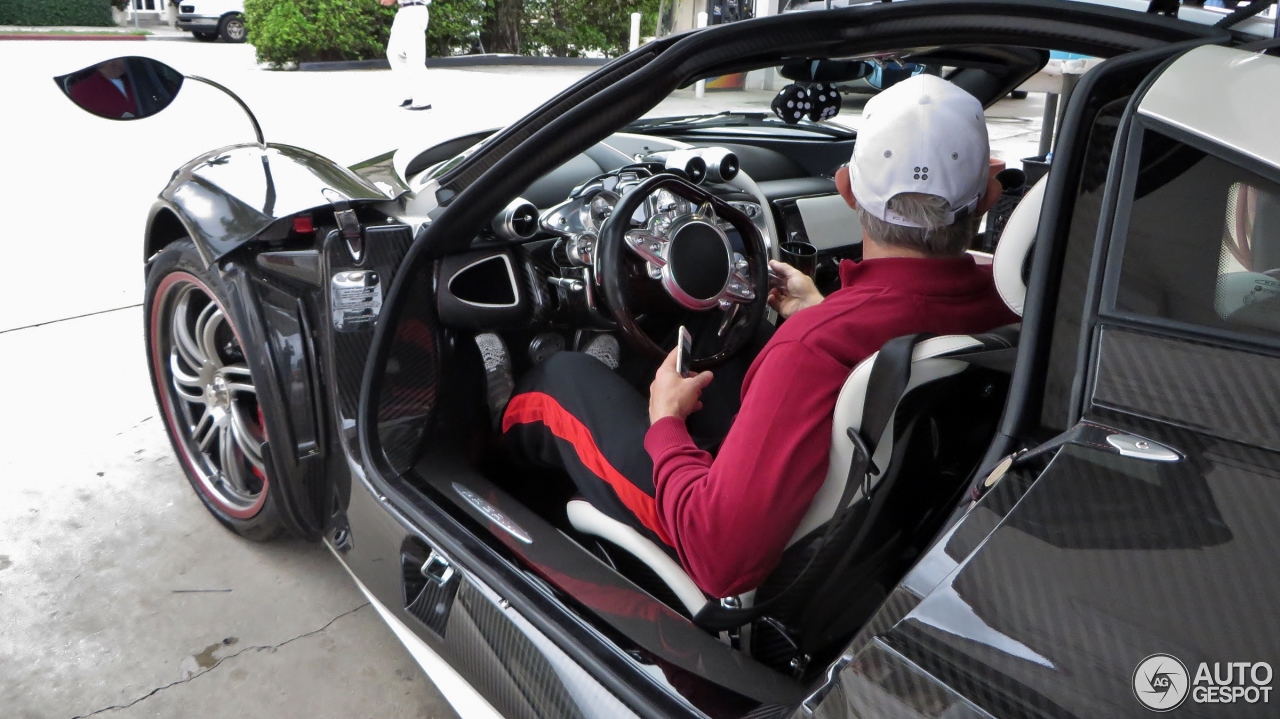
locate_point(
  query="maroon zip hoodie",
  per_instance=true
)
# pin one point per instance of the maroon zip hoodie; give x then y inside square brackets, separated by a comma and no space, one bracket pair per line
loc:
[730,516]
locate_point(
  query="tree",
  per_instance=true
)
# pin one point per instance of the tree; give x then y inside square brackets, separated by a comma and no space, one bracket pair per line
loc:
[576,28]
[502,28]
[456,24]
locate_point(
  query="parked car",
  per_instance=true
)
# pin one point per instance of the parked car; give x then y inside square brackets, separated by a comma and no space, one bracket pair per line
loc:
[1074,518]
[211,20]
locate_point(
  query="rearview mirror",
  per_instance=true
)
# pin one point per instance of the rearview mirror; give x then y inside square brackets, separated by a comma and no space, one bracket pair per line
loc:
[826,70]
[122,88]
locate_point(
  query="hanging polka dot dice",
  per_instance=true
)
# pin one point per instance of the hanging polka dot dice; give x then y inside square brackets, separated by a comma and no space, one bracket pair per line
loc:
[824,99]
[791,104]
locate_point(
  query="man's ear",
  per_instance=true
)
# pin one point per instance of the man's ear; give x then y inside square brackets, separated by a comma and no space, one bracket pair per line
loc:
[844,185]
[994,189]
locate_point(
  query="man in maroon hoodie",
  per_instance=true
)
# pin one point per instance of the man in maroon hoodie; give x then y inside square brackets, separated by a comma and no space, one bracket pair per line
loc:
[919,180]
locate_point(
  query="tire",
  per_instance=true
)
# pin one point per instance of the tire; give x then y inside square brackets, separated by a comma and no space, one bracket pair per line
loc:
[232,29]
[1018,95]
[206,392]
[205,36]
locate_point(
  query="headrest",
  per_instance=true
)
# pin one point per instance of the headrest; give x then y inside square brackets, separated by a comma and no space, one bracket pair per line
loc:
[1014,246]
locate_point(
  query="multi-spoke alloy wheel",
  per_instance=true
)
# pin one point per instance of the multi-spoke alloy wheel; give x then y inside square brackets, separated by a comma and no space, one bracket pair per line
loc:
[207,393]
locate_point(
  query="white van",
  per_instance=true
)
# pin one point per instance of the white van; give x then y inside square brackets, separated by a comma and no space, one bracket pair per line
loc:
[210,20]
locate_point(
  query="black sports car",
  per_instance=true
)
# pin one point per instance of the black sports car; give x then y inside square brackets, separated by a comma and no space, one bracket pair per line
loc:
[1074,517]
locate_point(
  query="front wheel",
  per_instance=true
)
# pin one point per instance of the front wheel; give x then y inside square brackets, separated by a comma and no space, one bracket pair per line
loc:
[232,29]
[207,393]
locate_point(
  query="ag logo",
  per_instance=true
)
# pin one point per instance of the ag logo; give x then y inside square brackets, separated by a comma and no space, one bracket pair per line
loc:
[1161,682]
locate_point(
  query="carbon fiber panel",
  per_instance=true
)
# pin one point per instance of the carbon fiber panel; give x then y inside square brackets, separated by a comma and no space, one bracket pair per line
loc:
[1105,561]
[411,381]
[882,683]
[1069,309]
[895,607]
[428,600]
[1224,393]
[384,247]
[502,663]
[409,395]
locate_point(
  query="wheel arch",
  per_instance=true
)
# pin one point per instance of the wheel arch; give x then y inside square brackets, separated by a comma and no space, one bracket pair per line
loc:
[164,227]
[288,398]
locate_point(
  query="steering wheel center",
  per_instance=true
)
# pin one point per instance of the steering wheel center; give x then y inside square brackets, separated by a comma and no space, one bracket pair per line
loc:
[699,263]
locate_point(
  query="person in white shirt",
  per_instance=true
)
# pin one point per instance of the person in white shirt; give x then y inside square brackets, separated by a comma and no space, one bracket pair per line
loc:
[407,50]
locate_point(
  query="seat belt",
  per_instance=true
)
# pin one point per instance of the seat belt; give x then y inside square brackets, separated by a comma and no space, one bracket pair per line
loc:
[890,375]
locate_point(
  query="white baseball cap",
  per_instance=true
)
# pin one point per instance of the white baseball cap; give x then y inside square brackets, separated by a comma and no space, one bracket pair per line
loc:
[923,135]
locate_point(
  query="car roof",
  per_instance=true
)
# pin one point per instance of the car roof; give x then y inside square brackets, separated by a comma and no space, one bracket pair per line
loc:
[1226,96]
[1256,25]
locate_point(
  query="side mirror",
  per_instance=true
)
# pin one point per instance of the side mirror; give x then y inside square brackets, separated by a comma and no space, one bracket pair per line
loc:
[122,88]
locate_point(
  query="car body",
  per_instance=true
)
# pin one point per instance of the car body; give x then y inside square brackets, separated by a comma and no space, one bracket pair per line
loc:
[213,19]
[1119,505]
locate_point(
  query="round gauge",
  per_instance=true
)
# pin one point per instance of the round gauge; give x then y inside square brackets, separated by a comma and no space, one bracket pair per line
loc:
[598,209]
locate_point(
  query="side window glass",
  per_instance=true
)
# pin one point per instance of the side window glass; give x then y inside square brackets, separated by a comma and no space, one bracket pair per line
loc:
[1203,242]
[1247,294]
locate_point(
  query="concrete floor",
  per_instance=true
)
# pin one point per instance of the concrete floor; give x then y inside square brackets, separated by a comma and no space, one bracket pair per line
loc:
[121,596]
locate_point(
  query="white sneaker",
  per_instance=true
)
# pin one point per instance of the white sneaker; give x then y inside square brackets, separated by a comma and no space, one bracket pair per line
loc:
[497,373]
[605,348]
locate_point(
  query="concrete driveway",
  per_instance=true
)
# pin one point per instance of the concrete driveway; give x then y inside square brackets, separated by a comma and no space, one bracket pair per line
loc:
[121,596]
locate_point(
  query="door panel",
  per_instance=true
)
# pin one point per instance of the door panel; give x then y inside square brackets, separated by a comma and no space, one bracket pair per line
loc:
[1224,393]
[1146,557]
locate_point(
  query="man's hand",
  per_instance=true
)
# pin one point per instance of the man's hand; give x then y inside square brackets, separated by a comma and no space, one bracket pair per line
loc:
[671,395]
[799,292]
[387,3]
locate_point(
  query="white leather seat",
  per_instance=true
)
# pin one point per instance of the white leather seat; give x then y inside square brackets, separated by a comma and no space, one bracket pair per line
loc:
[932,360]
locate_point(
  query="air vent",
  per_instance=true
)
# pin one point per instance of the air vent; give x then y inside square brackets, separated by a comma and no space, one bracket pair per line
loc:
[722,164]
[518,221]
[688,163]
[488,282]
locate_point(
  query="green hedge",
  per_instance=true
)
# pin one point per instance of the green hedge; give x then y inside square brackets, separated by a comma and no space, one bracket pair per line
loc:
[95,13]
[294,31]
[290,31]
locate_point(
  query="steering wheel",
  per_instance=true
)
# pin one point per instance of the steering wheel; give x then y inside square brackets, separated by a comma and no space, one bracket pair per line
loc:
[692,258]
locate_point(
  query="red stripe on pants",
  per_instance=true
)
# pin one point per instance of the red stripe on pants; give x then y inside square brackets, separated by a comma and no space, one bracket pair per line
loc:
[540,407]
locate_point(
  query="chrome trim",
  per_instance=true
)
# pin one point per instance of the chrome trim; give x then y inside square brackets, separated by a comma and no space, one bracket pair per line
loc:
[437,569]
[587,207]
[1138,448]
[722,164]
[653,245]
[690,163]
[511,276]
[504,225]
[356,299]
[494,514]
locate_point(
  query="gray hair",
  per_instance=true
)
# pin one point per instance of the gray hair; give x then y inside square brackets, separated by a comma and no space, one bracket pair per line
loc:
[933,238]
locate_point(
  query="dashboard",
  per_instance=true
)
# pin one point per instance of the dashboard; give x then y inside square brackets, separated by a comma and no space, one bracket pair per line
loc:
[536,264]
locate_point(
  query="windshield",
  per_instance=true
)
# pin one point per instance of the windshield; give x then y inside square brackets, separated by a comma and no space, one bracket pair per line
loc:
[799,5]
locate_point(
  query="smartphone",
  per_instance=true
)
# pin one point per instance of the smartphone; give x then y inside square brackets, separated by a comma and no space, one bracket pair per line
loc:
[684,351]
